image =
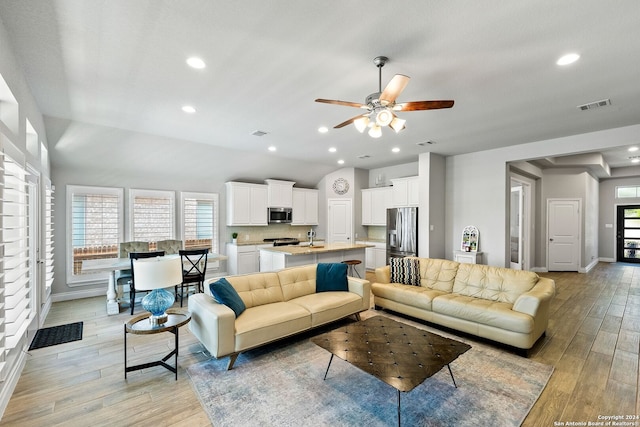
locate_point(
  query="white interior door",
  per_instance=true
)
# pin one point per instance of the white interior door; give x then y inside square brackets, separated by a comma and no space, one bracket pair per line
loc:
[563,225]
[340,220]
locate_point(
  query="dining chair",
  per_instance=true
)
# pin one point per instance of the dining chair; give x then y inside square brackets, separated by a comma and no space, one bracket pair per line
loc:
[123,277]
[194,268]
[132,283]
[169,246]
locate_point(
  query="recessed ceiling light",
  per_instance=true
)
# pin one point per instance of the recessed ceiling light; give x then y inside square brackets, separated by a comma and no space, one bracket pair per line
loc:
[340,162]
[395,149]
[633,149]
[568,59]
[323,129]
[332,149]
[272,148]
[188,109]
[195,62]
[635,161]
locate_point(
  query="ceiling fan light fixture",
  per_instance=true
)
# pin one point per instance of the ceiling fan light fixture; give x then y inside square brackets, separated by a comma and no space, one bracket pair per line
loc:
[361,123]
[397,124]
[384,117]
[375,132]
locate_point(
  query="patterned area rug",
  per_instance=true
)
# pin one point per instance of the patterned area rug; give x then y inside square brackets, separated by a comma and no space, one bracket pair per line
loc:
[281,385]
[55,335]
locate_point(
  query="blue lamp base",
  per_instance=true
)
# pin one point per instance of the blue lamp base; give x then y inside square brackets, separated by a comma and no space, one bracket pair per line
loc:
[157,302]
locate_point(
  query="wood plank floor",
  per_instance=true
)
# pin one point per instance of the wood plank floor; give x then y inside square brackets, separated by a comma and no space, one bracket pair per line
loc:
[593,341]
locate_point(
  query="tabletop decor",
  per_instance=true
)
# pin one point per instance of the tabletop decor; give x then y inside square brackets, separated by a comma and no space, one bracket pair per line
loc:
[156,274]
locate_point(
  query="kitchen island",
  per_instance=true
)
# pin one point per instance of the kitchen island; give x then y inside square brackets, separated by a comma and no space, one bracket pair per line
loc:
[279,257]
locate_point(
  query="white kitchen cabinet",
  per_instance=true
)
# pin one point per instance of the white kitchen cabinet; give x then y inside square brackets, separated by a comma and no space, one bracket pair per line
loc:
[406,191]
[243,259]
[467,257]
[375,202]
[305,207]
[246,204]
[279,193]
[375,256]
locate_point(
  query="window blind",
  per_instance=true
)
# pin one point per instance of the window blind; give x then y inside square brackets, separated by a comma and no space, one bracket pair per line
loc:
[199,225]
[152,216]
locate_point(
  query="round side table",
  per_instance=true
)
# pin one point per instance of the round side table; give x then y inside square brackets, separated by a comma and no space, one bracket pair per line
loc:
[140,325]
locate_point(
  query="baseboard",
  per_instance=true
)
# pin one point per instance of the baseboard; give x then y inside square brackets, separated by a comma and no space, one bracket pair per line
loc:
[86,293]
[606,260]
[540,270]
[589,267]
[9,385]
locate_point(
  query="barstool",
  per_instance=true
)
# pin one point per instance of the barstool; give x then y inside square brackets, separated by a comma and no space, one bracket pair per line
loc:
[352,269]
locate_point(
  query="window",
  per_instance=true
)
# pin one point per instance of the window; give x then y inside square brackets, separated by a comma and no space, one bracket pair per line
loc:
[95,222]
[199,220]
[627,192]
[152,215]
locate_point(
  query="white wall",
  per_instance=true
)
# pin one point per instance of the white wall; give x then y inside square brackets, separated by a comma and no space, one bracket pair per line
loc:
[477,185]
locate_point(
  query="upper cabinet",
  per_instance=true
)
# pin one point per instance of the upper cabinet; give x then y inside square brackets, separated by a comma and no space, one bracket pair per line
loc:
[375,202]
[280,193]
[246,204]
[406,191]
[305,207]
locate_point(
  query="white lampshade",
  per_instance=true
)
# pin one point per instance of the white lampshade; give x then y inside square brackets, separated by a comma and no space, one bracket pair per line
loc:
[375,132]
[157,273]
[397,124]
[361,123]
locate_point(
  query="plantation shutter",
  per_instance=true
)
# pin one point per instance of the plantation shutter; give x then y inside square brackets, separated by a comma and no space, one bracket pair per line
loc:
[48,238]
[153,215]
[200,223]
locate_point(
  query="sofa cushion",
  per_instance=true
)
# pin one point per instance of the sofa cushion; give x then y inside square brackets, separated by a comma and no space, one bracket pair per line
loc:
[331,277]
[225,294]
[328,306]
[414,296]
[405,271]
[493,283]
[257,289]
[483,311]
[265,323]
[438,274]
[297,281]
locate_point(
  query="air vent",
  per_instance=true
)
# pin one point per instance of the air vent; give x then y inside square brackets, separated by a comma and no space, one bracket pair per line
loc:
[258,133]
[597,104]
[364,156]
[422,144]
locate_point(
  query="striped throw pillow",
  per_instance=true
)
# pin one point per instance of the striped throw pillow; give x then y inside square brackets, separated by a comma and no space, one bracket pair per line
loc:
[405,271]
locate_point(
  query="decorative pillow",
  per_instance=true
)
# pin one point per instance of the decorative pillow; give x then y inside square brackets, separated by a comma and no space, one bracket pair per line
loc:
[331,277]
[405,271]
[225,294]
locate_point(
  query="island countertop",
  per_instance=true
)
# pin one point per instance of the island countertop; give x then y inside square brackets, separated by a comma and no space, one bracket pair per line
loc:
[322,248]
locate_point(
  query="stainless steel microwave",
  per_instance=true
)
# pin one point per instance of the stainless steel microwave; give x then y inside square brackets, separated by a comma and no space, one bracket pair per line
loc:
[279,215]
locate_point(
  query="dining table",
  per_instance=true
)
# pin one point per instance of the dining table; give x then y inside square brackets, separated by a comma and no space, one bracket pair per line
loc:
[112,265]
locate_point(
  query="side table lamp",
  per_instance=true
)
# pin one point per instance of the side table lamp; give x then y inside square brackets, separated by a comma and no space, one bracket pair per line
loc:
[156,274]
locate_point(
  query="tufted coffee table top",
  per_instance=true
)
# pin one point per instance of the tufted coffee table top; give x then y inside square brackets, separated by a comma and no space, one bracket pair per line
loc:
[401,355]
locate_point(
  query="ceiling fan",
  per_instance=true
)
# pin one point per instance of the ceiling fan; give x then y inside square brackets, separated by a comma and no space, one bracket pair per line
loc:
[381,106]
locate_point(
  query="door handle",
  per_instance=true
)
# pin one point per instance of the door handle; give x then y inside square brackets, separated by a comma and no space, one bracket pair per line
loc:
[551,240]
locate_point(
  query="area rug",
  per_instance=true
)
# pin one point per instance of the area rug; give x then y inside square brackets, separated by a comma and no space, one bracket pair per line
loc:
[281,385]
[55,335]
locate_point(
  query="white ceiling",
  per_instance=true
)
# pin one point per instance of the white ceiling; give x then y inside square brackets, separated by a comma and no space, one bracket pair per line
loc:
[121,63]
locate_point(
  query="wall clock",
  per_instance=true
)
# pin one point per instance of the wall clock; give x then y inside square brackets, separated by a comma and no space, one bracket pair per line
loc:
[340,186]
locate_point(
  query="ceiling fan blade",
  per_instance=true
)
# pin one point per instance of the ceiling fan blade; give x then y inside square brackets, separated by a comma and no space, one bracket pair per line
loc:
[345,103]
[348,122]
[423,105]
[394,89]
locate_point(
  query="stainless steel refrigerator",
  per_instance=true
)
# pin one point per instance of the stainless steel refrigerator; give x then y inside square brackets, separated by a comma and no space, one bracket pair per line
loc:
[402,232]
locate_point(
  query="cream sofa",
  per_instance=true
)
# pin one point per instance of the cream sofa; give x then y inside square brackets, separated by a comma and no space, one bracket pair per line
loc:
[501,304]
[279,304]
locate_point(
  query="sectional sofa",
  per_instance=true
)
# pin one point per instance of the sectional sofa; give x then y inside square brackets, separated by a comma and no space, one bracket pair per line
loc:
[501,304]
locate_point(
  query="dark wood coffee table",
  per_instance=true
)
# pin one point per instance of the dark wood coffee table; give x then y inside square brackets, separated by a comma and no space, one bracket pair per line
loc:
[401,355]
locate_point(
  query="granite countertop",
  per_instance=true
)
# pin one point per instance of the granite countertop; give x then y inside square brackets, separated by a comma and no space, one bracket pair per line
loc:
[306,250]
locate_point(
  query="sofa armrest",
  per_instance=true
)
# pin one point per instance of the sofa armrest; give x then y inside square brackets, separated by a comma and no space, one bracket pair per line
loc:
[537,299]
[383,274]
[361,287]
[213,324]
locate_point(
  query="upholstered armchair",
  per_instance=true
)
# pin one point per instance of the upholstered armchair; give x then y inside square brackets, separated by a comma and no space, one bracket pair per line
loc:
[169,246]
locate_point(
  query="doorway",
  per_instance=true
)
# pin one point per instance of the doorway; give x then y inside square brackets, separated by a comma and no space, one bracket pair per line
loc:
[628,233]
[340,220]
